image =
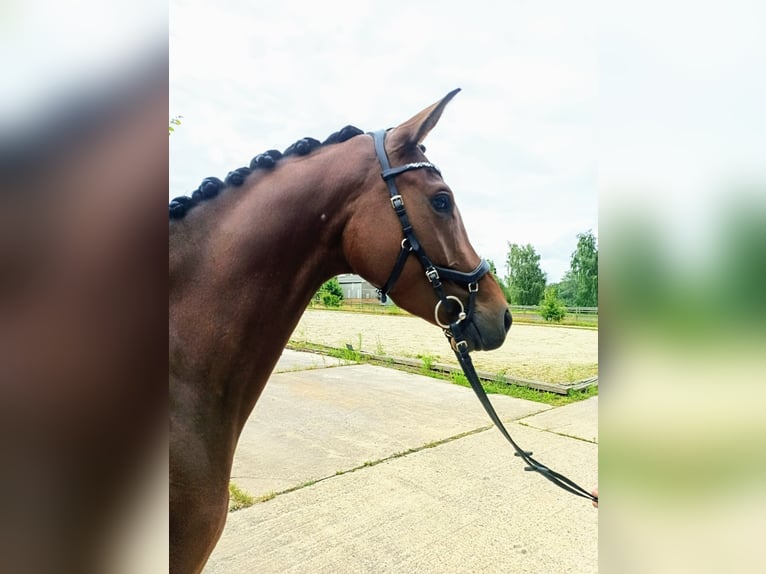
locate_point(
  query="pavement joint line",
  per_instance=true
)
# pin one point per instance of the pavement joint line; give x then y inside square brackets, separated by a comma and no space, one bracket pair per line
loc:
[315,368]
[270,495]
[525,416]
[367,464]
[557,433]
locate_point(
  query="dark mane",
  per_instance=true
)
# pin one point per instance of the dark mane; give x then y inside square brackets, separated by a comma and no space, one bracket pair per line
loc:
[211,186]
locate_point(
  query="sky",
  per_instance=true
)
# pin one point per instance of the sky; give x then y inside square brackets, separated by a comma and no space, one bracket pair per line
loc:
[517,145]
[573,115]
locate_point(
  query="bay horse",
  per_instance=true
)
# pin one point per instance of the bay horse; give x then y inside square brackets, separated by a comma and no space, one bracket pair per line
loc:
[248,253]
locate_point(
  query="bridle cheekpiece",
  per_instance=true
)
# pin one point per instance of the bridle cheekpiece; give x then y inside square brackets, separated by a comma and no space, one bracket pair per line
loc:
[454,331]
[410,244]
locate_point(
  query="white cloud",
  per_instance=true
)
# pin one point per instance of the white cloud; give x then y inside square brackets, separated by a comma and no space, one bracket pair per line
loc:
[516,146]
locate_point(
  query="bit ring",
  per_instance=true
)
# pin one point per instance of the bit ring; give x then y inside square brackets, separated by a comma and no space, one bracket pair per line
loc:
[461,315]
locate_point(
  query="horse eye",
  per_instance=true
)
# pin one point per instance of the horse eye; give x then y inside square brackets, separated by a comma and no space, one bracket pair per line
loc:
[441,203]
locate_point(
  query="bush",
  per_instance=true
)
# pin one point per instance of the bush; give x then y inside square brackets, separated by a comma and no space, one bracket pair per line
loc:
[333,286]
[330,299]
[551,307]
[330,293]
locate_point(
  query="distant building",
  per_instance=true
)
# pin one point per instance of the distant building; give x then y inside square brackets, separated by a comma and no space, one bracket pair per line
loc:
[356,289]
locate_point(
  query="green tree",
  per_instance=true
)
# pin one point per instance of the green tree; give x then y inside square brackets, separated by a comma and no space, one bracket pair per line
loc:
[566,289]
[525,281]
[492,268]
[330,293]
[583,270]
[552,308]
[500,282]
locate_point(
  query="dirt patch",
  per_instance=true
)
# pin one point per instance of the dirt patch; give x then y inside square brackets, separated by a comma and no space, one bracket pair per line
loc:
[541,353]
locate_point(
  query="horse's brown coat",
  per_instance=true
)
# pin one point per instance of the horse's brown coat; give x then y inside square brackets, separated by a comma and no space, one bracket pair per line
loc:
[244,266]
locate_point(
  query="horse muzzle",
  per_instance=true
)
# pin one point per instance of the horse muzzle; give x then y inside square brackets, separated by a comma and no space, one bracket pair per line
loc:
[482,331]
[487,333]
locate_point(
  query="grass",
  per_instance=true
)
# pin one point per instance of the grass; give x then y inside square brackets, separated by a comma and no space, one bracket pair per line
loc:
[264,497]
[570,374]
[527,393]
[239,499]
[428,362]
[346,353]
[378,346]
[369,308]
[499,386]
[532,318]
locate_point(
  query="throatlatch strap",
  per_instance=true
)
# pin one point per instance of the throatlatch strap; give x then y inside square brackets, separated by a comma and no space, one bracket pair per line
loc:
[396,271]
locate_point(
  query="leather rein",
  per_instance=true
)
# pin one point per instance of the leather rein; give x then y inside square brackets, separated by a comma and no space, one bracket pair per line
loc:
[453,331]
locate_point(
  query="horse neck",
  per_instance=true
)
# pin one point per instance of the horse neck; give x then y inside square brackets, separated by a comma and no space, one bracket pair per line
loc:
[245,265]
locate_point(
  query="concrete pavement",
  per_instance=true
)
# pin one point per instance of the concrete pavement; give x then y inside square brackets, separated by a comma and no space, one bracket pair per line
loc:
[448,496]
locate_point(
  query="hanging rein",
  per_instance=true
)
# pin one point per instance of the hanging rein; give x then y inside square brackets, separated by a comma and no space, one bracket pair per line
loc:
[453,331]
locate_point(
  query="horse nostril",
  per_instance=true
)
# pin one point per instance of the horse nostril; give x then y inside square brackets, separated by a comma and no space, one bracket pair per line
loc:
[508,320]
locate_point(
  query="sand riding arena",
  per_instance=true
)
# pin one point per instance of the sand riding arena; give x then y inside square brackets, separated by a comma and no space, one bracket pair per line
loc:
[538,352]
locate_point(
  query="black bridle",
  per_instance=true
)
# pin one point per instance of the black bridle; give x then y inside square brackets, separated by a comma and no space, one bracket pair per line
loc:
[453,331]
[410,243]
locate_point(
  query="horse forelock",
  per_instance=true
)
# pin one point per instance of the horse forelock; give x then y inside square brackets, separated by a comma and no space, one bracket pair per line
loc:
[212,186]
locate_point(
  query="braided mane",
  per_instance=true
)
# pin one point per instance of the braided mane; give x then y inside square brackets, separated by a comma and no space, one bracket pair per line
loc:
[212,186]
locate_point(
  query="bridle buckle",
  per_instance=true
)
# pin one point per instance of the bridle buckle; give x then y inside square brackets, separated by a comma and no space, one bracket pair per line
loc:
[397,202]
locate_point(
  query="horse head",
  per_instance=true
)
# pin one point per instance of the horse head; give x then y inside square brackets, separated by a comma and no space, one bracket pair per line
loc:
[406,237]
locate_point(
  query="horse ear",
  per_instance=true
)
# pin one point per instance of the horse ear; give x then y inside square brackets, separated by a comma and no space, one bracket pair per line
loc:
[414,131]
